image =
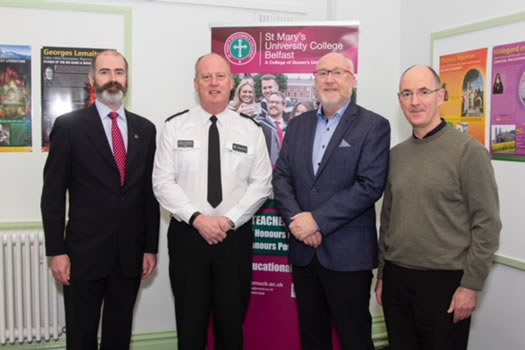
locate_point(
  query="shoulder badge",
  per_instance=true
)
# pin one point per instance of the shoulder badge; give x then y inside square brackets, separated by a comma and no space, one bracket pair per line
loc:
[252,119]
[177,114]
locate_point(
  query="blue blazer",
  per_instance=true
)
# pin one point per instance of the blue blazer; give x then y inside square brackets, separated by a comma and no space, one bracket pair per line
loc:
[341,196]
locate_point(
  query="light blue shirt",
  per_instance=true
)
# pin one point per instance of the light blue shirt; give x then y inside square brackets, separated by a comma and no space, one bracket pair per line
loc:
[323,134]
[103,111]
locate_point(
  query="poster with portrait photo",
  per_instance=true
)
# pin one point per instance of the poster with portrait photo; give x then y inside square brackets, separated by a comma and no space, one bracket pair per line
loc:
[507,115]
[463,76]
[266,59]
[65,85]
[15,98]
[251,96]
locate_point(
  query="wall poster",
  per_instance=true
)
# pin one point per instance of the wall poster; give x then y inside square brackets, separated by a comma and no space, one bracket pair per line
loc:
[15,98]
[65,84]
[463,76]
[507,115]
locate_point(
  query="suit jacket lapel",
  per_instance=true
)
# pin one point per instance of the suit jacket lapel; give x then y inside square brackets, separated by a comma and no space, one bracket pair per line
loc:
[340,131]
[309,140]
[95,131]
[134,139]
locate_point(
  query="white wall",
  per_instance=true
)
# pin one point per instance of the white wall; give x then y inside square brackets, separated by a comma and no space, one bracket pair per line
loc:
[166,40]
[499,320]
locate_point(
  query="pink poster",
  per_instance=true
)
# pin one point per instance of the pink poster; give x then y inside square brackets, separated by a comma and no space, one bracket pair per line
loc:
[285,56]
[507,117]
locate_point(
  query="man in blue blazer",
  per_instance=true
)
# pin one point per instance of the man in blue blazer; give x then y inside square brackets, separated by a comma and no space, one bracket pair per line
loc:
[330,172]
[102,158]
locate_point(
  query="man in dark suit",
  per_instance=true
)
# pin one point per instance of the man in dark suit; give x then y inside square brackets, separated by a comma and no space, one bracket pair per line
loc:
[330,172]
[102,158]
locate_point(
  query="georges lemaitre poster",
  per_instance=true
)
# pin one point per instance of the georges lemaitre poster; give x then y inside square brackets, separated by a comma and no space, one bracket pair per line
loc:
[289,53]
[65,84]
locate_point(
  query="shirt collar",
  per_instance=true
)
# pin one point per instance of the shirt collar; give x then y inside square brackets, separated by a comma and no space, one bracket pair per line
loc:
[104,110]
[338,114]
[433,131]
[205,116]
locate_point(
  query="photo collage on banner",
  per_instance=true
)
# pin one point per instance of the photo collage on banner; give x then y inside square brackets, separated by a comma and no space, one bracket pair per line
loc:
[463,77]
[507,117]
[266,59]
[15,98]
[65,84]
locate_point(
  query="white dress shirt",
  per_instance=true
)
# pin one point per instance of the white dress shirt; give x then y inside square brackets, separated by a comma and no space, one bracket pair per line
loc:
[180,170]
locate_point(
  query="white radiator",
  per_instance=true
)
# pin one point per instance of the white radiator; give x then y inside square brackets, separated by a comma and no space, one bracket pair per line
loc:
[28,293]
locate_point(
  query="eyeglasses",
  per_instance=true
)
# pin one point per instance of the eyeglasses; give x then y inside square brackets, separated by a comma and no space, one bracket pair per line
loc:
[275,102]
[421,93]
[337,73]
[209,76]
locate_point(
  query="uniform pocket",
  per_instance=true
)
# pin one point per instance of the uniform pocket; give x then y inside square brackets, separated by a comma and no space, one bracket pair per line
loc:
[238,159]
[186,154]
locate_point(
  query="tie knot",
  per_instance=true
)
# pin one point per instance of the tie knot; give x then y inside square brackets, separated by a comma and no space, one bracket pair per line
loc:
[213,119]
[113,115]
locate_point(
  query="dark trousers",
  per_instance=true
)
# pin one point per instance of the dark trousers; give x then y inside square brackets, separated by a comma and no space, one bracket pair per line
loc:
[83,302]
[210,279]
[415,303]
[324,295]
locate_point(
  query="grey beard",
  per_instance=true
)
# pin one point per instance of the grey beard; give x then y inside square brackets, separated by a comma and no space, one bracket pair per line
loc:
[108,98]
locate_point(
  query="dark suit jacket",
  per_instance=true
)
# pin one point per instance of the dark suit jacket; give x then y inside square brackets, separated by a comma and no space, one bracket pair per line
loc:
[107,224]
[341,197]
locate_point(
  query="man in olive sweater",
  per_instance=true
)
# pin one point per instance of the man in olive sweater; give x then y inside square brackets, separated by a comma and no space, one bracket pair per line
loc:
[439,225]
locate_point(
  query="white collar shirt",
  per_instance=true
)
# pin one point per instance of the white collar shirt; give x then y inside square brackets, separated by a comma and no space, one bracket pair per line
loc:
[181,161]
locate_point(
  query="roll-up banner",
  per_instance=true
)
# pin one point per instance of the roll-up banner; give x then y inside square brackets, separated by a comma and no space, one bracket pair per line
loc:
[264,59]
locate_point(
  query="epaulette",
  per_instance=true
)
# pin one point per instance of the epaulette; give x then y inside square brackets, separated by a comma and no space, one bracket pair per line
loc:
[252,119]
[176,114]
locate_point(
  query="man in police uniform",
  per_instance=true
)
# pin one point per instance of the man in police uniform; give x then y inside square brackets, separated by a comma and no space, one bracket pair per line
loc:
[212,172]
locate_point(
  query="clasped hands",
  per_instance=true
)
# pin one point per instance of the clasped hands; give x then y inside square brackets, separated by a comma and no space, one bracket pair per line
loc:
[213,229]
[305,229]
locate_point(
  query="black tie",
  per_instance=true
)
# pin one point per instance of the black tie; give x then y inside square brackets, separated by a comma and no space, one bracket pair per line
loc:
[214,165]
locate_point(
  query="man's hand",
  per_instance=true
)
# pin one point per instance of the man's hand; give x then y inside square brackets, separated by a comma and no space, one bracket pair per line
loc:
[149,262]
[224,223]
[303,225]
[379,292]
[314,240]
[61,268]
[211,228]
[463,303]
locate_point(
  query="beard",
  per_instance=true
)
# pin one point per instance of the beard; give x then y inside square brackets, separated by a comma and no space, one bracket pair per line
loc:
[333,102]
[330,103]
[111,93]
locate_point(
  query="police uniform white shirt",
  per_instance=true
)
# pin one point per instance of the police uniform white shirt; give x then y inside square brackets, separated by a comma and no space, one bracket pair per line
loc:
[181,166]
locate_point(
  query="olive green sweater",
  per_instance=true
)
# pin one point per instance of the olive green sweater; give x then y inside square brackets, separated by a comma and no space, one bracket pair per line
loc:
[440,207]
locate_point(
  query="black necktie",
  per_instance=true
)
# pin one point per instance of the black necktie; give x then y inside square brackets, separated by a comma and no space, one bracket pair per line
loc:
[214,164]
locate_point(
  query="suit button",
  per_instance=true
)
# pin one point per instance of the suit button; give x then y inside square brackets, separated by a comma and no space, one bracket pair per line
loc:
[314,191]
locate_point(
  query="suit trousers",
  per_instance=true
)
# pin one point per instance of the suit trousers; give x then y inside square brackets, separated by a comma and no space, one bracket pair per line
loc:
[324,295]
[210,279]
[83,302]
[415,304]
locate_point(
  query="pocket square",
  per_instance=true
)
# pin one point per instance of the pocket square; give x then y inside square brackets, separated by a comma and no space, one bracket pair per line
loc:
[344,144]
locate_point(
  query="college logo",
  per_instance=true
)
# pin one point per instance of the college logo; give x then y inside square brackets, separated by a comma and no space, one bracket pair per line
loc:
[240,48]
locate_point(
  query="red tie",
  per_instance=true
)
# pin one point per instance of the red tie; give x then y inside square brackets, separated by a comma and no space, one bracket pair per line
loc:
[280,132]
[119,150]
